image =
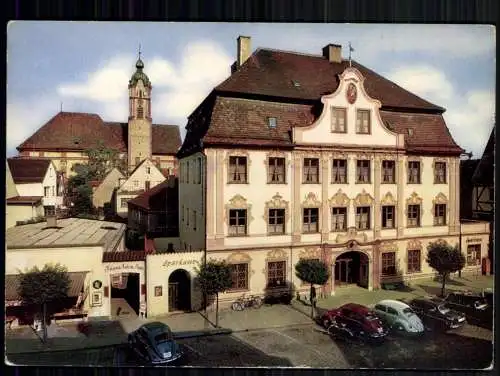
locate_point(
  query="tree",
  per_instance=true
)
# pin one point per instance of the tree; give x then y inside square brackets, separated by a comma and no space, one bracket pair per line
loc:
[41,287]
[312,271]
[100,161]
[445,259]
[214,277]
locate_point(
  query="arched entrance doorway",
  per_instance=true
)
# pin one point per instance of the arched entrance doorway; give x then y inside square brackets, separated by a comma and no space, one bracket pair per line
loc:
[179,291]
[125,294]
[351,268]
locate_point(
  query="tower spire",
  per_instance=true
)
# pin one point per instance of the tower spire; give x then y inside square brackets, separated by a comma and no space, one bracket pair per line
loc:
[139,51]
[350,50]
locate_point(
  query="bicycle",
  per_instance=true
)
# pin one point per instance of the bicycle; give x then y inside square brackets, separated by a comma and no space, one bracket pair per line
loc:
[243,302]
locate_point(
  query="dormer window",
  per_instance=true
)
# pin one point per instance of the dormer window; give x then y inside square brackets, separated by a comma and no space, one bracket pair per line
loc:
[271,122]
[410,131]
[296,83]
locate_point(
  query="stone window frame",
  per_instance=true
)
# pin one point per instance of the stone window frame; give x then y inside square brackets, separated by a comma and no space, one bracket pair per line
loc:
[237,153]
[388,200]
[277,202]
[394,175]
[333,110]
[237,258]
[364,157]
[235,203]
[311,202]
[382,254]
[339,200]
[318,174]
[414,199]
[364,199]
[276,255]
[277,154]
[346,171]
[413,271]
[473,248]
[445,162]
[420,171]
[370,117]
[440,199]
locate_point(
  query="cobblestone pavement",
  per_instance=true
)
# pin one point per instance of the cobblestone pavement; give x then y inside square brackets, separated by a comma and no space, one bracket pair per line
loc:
[302,346]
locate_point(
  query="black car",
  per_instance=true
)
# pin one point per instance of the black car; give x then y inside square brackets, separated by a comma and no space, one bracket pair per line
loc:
[436,314]
[154,344]
[474,306]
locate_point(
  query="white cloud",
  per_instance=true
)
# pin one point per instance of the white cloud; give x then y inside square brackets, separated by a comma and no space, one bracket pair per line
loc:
[177,89]
[469,117]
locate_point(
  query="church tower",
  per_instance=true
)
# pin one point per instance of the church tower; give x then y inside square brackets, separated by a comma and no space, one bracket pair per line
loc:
[139,120]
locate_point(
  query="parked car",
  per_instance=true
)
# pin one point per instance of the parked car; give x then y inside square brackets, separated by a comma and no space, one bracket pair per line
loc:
[474,306]
[354,321]
[154,344]
[399,316]
[436,314]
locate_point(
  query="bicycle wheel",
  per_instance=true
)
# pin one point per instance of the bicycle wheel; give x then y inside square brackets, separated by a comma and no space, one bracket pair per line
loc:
[236,306]
[258,302]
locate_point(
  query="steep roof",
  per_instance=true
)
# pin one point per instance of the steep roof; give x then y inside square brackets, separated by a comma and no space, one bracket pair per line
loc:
[277,73]
[143,200]
[289,87]
[485,170]
[77,131]
[31,170]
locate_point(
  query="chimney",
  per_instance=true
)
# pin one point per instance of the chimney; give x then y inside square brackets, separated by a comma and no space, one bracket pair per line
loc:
[333,52]
[51,220]
[243,52]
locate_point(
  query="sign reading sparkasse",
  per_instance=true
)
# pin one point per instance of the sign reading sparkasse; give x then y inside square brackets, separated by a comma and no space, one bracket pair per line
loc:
[169,263]
[124,266]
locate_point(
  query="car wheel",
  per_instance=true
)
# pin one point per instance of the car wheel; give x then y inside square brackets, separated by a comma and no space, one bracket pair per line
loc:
[235,306]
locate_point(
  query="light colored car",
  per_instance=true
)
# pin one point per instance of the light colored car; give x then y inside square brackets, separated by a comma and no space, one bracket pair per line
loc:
[399,316]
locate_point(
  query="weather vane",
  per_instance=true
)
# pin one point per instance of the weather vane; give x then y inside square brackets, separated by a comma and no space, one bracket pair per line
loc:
[139,50]
[350,50]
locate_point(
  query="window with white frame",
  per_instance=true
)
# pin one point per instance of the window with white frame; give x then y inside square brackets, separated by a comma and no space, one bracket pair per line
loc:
[237,169]
[310,220]
[363,218]
[276,171]
[276,224]
[311,170]
[339,219]
[363,121]
[339,120]
[414,172]
[439,214]
[237,222]
[388,212]
[413,217]
[339,171]
[388,172]
[363,171]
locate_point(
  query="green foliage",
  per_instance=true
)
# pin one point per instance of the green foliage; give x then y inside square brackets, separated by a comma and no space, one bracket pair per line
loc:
[40,286]
[214,277]
[312,271]
[444,258]
[101,160]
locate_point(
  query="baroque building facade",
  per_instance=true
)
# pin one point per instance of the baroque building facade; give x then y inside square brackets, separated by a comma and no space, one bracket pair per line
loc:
[337,164]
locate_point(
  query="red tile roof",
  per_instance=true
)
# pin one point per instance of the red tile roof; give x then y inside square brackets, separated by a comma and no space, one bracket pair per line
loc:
[289,86]
[31,170]
[75,131]
[275,73]
[123,256]
[143,200]
[23,200]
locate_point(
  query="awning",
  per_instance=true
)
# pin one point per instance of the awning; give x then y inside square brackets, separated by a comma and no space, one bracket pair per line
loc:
[76,284]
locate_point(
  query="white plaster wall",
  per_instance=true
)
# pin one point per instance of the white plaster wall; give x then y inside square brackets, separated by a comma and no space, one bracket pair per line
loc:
[320,131]
[158,270]
[141,175]
[30,189]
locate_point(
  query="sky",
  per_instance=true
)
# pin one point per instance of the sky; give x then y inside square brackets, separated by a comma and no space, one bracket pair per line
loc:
[85,67]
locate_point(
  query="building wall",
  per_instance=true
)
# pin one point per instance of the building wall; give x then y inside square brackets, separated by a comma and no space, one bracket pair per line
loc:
[14,213]
[137,183]
[10,186]
[104,192]
[139,128]
[191,202]
[159,268]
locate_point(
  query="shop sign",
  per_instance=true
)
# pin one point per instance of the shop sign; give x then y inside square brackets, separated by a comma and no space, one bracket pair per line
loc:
[124,267]
[169,263]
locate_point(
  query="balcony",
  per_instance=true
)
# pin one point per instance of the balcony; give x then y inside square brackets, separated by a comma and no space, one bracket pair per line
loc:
[52,200]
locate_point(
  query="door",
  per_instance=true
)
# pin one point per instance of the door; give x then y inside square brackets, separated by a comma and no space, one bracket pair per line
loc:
[173,296]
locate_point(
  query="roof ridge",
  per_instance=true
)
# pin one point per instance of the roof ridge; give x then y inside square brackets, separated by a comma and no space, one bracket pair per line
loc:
[291,52]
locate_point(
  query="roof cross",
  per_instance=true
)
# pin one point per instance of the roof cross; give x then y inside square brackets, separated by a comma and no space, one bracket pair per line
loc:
[139,50]
[350,50]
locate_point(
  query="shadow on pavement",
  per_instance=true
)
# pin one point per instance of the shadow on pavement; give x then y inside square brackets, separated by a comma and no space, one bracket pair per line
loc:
[432,351]
[222,350]
[62,338]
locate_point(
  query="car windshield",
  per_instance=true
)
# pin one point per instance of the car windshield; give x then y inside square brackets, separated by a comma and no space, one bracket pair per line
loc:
[408,311]
[443,308]
[163,337]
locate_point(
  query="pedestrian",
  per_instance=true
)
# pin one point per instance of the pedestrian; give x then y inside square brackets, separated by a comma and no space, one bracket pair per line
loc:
[142,309]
